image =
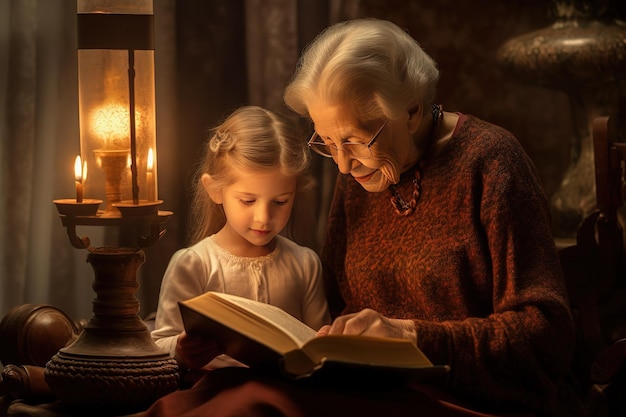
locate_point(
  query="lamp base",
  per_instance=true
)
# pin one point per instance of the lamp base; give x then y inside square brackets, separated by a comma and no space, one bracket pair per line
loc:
[105,383]
[114,364]
[123,385]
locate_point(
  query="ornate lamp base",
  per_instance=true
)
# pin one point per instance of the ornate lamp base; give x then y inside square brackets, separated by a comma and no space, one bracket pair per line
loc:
[113,364]
[581,54]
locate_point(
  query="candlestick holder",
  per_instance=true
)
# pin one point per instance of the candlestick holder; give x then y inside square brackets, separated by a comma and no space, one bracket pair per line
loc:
[114,165]
[113,364]
[73,208]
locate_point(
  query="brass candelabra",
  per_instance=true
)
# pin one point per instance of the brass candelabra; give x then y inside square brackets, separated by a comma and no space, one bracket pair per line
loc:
[114,363]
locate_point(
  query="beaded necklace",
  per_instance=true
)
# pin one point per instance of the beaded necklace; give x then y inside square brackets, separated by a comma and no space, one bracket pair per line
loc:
[401,207]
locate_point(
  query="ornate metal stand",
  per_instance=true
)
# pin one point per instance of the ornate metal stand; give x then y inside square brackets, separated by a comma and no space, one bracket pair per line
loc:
[582,54]
[113,364]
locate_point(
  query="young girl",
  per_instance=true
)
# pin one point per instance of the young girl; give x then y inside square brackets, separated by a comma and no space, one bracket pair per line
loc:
[254,165]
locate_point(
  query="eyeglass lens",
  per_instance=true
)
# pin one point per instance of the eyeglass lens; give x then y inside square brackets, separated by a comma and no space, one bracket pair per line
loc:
[359,150]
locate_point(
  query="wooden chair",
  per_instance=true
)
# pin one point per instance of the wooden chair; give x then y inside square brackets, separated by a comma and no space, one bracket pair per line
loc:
[595,270]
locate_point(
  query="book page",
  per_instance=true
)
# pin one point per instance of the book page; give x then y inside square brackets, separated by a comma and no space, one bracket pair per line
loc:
[300,332]
[367,350]
[369,358]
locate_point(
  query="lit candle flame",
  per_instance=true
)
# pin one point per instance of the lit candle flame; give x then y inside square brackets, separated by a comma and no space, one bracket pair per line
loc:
[151,194]
[80,174]
[150,160]
[78,169]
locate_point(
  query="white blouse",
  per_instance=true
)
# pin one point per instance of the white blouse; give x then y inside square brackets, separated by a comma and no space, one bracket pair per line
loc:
[290,277]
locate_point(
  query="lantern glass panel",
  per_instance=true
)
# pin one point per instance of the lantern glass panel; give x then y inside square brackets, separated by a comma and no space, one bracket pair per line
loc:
[117,101]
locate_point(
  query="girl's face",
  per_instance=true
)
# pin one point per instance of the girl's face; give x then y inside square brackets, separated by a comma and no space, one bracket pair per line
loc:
[257,207]
[392,153]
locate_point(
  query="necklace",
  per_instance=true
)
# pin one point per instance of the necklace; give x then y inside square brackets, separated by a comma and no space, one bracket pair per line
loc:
[400,206]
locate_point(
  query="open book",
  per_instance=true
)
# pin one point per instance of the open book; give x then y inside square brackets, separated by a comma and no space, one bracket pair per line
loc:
[257,333]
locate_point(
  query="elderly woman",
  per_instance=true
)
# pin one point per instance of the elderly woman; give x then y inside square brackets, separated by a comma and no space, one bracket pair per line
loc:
[439,232]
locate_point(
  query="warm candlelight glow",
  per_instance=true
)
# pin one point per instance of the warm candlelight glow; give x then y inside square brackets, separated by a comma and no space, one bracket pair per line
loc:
[110,123]
[150,160]
[117,110]
[150,176]
[79,176]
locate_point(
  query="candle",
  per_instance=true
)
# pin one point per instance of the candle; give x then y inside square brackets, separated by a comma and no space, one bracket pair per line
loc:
[78,177]
[149,176]
[109,126]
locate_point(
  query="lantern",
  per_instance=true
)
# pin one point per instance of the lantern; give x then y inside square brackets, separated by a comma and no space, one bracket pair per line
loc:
[116,89]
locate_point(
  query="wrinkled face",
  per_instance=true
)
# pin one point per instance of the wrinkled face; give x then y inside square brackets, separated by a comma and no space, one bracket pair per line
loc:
[257,206]
[391,153]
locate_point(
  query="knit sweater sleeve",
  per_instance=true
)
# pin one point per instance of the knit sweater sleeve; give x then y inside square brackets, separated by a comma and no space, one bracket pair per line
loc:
[519,350]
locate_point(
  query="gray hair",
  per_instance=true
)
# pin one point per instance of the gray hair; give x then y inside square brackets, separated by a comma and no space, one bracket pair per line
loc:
[372,65]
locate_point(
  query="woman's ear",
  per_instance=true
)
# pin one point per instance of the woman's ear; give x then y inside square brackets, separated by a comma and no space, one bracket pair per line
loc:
[214,194]
[415,119]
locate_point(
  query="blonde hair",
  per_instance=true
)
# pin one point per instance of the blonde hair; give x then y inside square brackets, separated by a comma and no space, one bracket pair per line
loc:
[372,65]
[250,138]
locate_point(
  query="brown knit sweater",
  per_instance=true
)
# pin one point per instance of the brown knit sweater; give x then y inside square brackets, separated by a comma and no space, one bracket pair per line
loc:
[475,266]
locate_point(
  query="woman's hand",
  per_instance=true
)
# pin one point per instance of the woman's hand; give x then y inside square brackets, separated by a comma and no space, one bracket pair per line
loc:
[194,352]
[368,322]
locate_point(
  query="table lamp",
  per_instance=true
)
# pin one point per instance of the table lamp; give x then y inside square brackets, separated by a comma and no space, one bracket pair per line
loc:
[114,364]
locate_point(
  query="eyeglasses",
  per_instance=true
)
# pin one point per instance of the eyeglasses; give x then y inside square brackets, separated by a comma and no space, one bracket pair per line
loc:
[353,149]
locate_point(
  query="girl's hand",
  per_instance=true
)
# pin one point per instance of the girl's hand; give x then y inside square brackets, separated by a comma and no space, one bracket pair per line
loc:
[368,322]
[193,352]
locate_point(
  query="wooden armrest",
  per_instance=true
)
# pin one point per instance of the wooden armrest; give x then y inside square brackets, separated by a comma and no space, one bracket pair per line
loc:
[608,363]
[25,381]
[32,333]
